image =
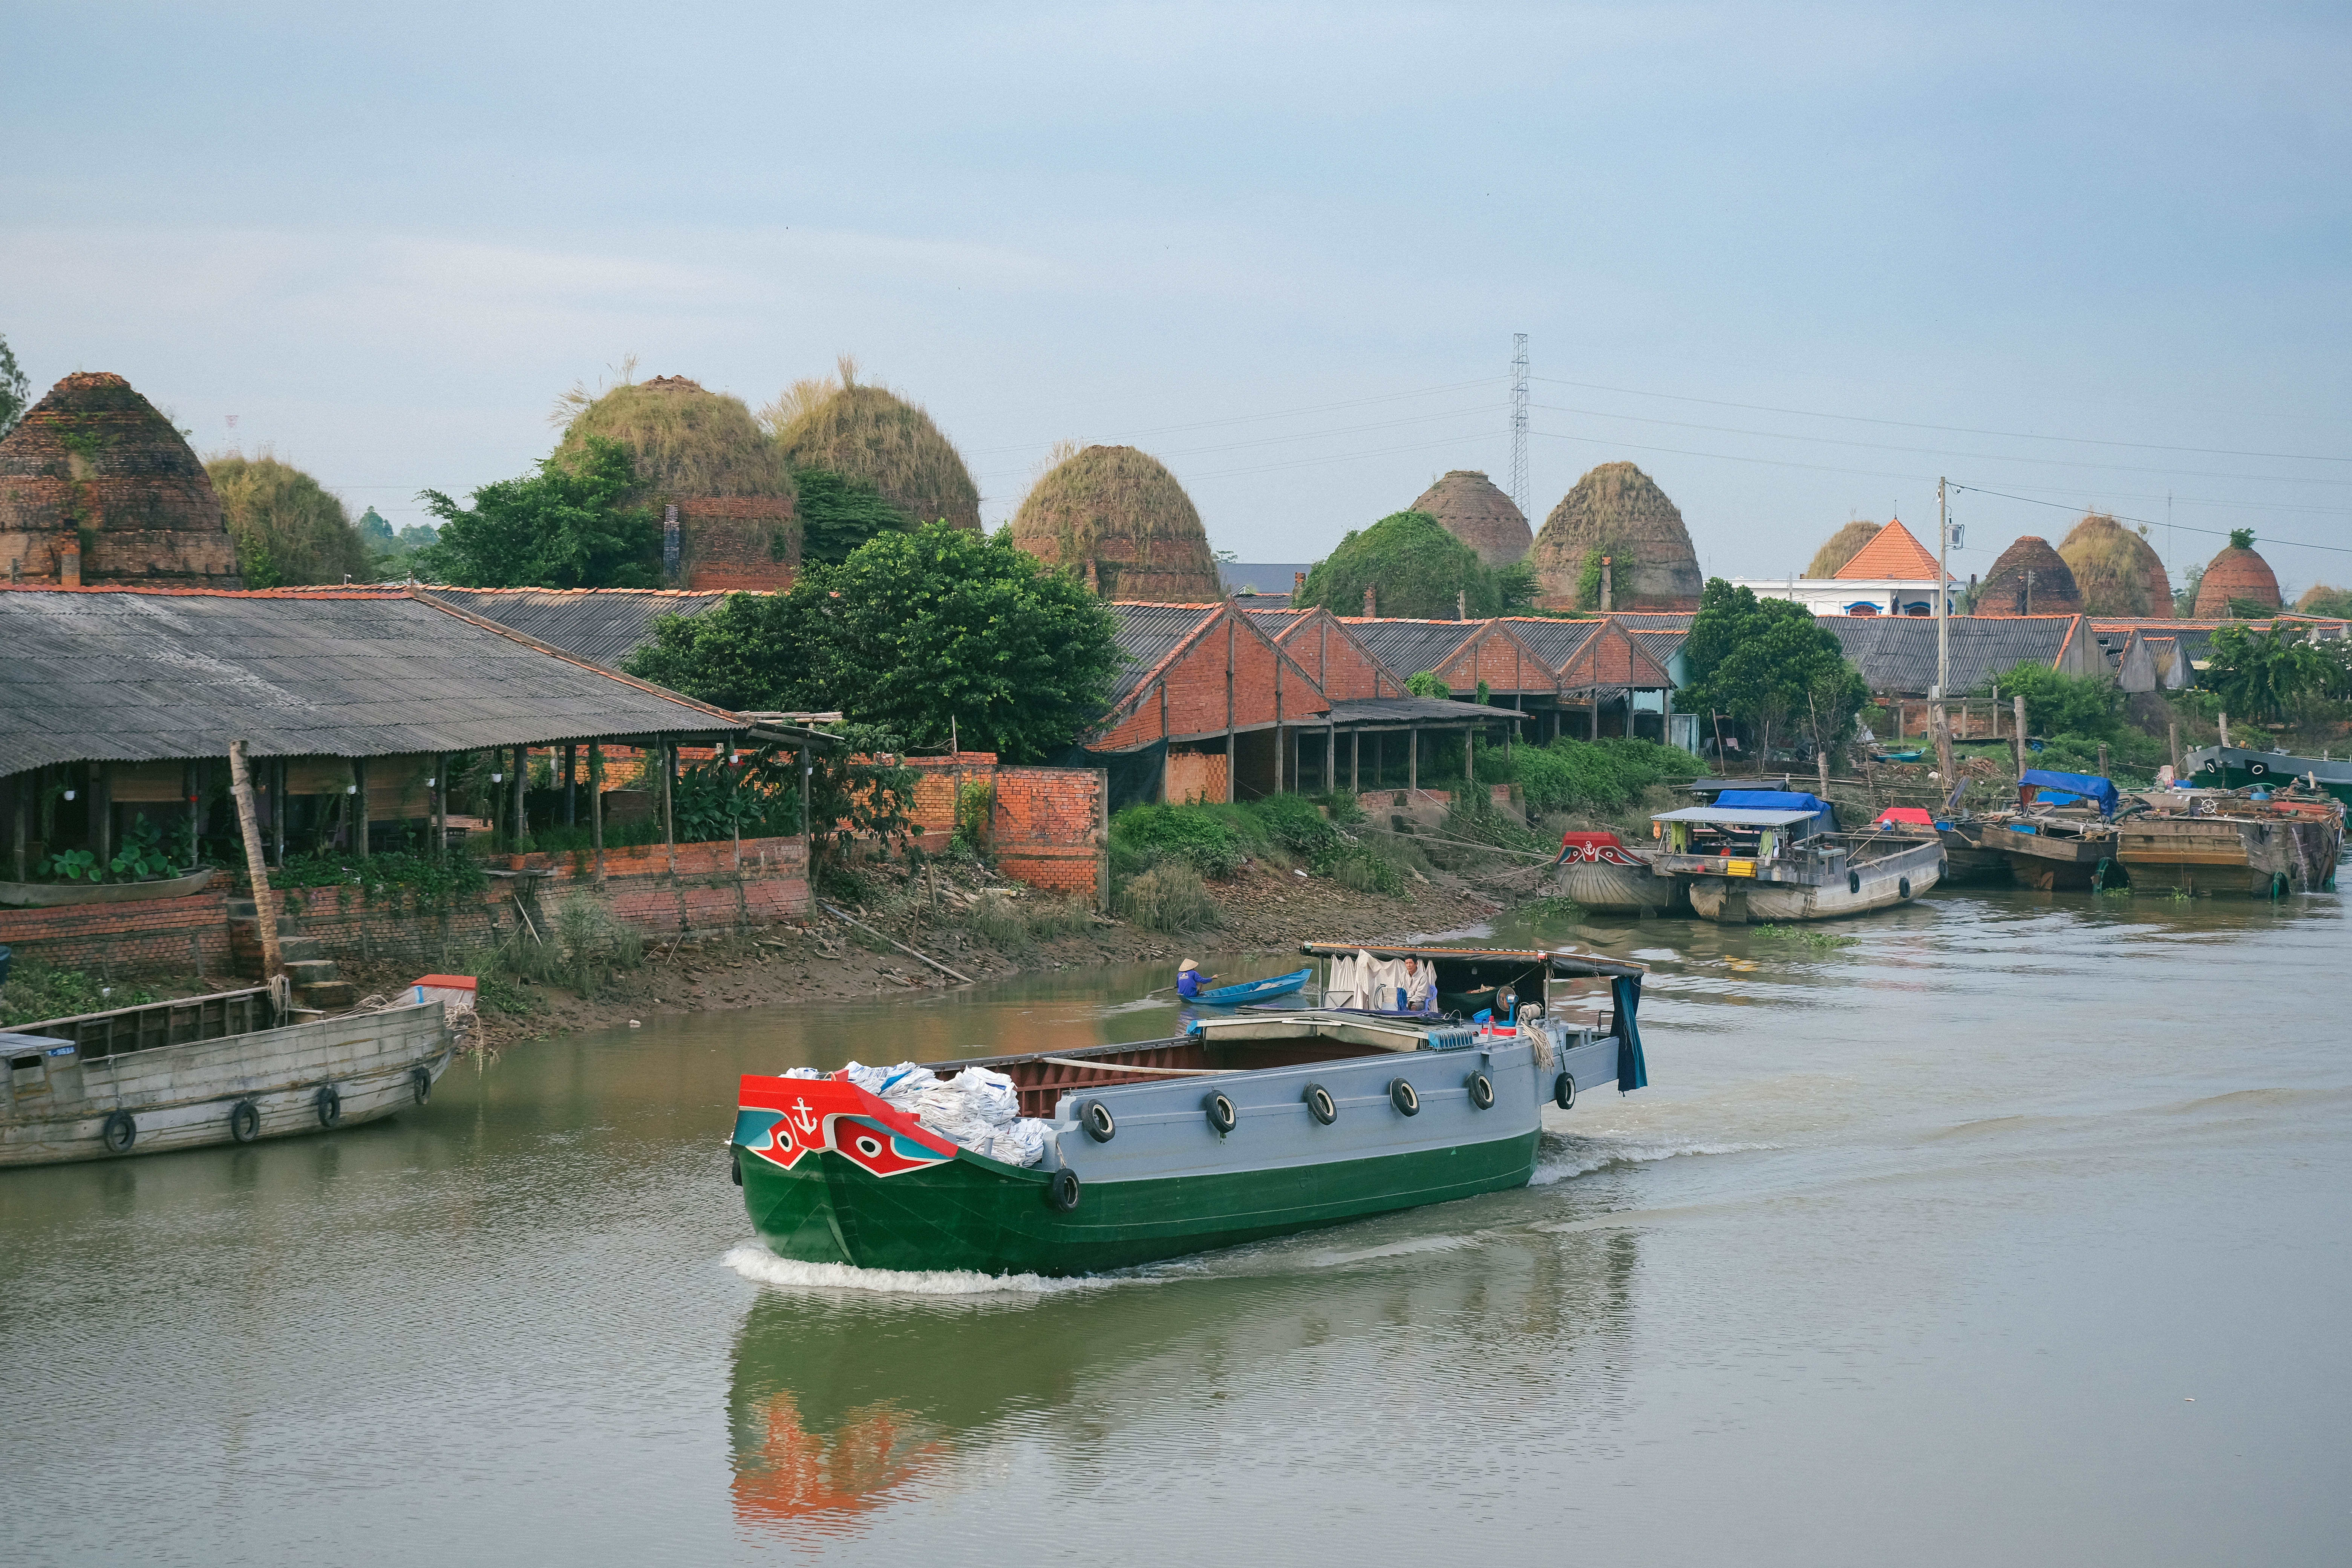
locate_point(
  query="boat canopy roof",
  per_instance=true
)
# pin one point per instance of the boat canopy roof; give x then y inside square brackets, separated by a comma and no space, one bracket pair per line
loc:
[1564,963]
[1736,817]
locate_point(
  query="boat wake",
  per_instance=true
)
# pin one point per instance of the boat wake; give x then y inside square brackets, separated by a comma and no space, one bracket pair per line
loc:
[1562,1157]
[756,1263]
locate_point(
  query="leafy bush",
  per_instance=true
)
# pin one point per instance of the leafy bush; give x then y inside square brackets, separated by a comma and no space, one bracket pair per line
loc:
[1294,822]
[2059,704]
[2132,756]
[1200,837]
[1596,775]
[1168,898]
[1417,569]
[588,944]
[1429,683]
[435,883]
[1010,922]
[36,992]
[1365,869]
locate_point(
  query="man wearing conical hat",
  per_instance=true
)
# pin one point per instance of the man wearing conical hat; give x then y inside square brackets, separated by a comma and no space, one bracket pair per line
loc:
[1189,979]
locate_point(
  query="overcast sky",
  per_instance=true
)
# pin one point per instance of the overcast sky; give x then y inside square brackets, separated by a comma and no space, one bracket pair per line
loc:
[1795,261]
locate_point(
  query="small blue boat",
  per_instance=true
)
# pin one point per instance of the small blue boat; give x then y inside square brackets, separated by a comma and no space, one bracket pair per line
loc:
[1256,990]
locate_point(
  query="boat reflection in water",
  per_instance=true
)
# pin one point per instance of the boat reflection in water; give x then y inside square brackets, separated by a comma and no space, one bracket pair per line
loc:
[845,1401]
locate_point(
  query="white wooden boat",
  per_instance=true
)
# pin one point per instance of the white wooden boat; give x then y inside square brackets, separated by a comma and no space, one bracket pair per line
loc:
[208,1069]
[1774,862]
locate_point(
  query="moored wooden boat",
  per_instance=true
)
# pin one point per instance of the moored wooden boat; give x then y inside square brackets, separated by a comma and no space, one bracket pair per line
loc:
[1604,876]
[208,1069]
[1772,855]
[1245,1128]
[2062,837]
[1967,860]
[2211,842]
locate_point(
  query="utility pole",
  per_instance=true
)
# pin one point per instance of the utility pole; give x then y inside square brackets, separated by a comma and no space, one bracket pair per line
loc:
[1519,497]
[1943,592]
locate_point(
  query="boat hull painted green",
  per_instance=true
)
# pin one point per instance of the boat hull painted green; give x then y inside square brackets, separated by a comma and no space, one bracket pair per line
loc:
[972,1212]
[2235,767]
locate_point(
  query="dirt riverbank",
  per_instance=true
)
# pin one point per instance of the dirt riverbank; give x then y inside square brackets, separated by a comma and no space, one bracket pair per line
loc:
[1260,909]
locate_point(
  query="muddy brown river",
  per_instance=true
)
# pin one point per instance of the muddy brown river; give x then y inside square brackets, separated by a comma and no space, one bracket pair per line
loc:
[2019,1230]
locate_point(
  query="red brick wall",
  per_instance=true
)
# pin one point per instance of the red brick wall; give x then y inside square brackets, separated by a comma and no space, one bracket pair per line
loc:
[933,813]
[188,933]
[751,543]
[1195,684]
[1050,830]
[1500,660]
[1345,672]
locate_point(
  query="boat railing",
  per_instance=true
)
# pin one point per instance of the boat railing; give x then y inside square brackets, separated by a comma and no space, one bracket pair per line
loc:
[153,1024]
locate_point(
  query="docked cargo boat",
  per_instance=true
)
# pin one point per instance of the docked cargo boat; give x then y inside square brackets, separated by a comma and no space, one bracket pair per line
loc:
[2061,834]
[1248,1127]
[2235,767]
[1776,855]
[223,1068]
[2214,841]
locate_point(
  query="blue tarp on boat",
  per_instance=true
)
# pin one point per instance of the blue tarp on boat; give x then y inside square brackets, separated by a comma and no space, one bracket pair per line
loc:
[2089,786]
[1780,800]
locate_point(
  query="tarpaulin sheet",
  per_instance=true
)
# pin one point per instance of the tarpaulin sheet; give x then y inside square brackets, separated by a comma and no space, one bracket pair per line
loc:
[2091,787]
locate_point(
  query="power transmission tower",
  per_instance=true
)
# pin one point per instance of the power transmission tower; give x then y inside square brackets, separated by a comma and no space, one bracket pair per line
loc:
[1519,422]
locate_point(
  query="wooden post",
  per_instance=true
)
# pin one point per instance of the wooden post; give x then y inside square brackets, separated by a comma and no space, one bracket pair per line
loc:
[1230,786]
[360,816]
[1412,758]
[734,822]
[192,778]
[571,787]
[2225,727]
[440,804]
[808,835]
[2172,734]
[1355,762]
[2102,759]
[1944,750]
[669,817]
[596,805]
[264,896]
[21,789]
[1331,758]
[102,813]
[1596,714]
[1469,773]
[2019,705]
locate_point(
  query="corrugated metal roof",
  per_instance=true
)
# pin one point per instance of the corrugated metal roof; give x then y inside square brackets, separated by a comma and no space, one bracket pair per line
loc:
[1148,634]
[603,625]
[1554,642]
[1265,576]
[1409,648]
[1897,653]
[133,675]
[1417,710]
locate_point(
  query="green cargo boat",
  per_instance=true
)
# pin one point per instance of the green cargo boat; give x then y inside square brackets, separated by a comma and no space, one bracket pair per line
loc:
[2235,767]
[1269,1123]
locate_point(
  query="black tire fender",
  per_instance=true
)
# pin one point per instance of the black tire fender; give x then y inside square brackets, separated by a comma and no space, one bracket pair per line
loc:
[1903,886]
[118,1131]
[1482,1090]
[1222,1114]
[1062,1191]
[1854,881]
[1100,1124]
[1405,1097]
[245,1122]
[1563,1092]
[420,1078]
[1319,1104]
[330,1105]
[735,1163]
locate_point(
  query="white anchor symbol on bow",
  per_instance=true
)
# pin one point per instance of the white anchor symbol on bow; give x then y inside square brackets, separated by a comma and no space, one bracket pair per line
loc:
[804,1121]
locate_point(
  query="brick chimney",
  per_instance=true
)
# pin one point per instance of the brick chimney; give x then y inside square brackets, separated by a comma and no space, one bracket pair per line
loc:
[1370,602]
[1608,592]
[70,565]
[1297,583]
[672,551]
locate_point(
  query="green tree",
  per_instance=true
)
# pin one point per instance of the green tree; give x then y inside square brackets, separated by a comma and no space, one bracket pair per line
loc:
[566,526]
[2055,704]
[287,527]
[15,391]
[1769,664]
[916,634]
[1429,683]
[838,513]
[1417,569]
[2259,674]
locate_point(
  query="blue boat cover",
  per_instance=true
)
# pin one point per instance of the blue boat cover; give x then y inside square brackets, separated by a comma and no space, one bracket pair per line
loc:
[1780,800]
[2090,786]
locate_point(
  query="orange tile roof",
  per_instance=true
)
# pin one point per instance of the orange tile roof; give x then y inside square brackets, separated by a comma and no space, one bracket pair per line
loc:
[1892,556]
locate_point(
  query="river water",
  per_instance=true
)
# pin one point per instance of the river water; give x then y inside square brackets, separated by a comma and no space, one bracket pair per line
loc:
[2016,1230]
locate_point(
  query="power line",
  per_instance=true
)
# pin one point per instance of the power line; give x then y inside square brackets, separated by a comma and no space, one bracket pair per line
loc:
[1253,418]
[1302,435]
[1519,422]
[1951,429]
[2185,528]
[1933,451]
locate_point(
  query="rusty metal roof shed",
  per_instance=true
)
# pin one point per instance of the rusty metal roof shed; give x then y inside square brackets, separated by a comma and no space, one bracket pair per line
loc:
[142,674]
